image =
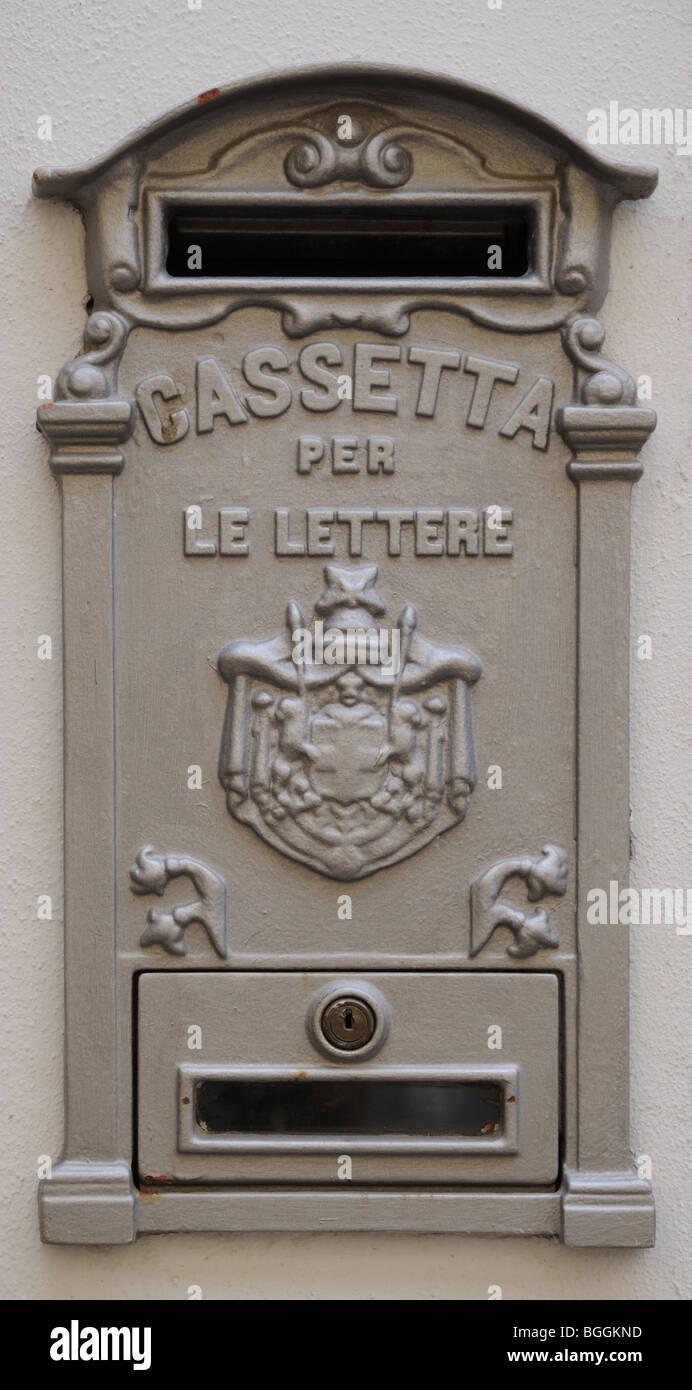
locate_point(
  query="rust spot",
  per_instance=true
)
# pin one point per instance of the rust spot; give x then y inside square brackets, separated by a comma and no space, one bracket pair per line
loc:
[207,96]
[151,1178]
[185,1100]
[511,1099]
[301,1076]
[47,405]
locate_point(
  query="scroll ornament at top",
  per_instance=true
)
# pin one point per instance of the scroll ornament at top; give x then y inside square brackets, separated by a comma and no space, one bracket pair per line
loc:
[92,375]
[378,163]
[87,422]
[607,426]
[605,384]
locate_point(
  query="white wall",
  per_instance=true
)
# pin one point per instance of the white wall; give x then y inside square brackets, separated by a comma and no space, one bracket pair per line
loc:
[99,70]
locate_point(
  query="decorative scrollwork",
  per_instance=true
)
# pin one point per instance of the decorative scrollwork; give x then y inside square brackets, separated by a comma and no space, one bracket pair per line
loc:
[533,931]
[151,873]
[381,163]
[606,384]
[312,163]
[85,377]
[308,316]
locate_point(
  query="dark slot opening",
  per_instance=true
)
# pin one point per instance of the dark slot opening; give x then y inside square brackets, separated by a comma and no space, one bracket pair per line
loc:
[356,242]
[349,1107]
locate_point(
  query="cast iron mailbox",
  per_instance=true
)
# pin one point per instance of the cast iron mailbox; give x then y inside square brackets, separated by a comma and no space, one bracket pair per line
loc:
[346,483]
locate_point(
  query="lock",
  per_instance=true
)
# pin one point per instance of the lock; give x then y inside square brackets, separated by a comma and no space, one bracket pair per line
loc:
[348,1024]
[348,1019]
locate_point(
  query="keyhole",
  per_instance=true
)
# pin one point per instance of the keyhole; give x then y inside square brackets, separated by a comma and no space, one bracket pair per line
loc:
[348,1023]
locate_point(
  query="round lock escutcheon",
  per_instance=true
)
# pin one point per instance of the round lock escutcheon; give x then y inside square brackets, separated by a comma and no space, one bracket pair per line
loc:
[348,1020]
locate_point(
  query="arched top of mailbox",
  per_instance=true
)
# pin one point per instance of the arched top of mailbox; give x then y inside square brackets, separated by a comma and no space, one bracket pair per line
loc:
[427,163]
[437,96]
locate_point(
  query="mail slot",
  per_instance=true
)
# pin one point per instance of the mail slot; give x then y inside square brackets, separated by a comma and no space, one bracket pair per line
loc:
[346,469]
[354,242]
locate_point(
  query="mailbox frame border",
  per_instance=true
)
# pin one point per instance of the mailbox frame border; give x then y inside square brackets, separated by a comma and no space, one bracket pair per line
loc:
[89,1197]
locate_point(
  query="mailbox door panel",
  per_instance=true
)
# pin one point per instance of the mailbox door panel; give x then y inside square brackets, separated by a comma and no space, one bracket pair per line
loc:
[234,1088]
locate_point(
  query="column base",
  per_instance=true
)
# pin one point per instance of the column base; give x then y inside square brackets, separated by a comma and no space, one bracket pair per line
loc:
[87,1204]
[607,1209]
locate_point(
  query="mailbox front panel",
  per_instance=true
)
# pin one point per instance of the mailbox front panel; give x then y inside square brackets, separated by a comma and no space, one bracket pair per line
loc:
[346,481]
[430,1106]
[235,538]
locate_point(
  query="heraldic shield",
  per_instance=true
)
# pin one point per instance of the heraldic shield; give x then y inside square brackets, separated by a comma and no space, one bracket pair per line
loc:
[348,745]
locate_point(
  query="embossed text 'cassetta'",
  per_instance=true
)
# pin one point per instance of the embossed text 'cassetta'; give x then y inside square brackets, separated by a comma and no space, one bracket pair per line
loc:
[364,379]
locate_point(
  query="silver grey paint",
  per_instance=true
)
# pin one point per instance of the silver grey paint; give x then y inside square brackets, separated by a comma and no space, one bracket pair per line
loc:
[90,1197]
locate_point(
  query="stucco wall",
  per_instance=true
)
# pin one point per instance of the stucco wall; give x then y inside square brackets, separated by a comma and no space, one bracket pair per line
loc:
[99,70]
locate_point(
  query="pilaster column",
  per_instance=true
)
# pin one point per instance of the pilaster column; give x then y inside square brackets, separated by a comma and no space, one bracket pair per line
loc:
[604,1202]
[89,1196]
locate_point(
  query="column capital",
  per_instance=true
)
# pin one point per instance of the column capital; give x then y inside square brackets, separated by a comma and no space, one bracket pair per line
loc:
[88,419]
[605,440]
[605,427]
[84,435]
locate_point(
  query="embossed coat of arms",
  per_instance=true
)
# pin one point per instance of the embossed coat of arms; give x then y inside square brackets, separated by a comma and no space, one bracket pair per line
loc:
[350,762]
